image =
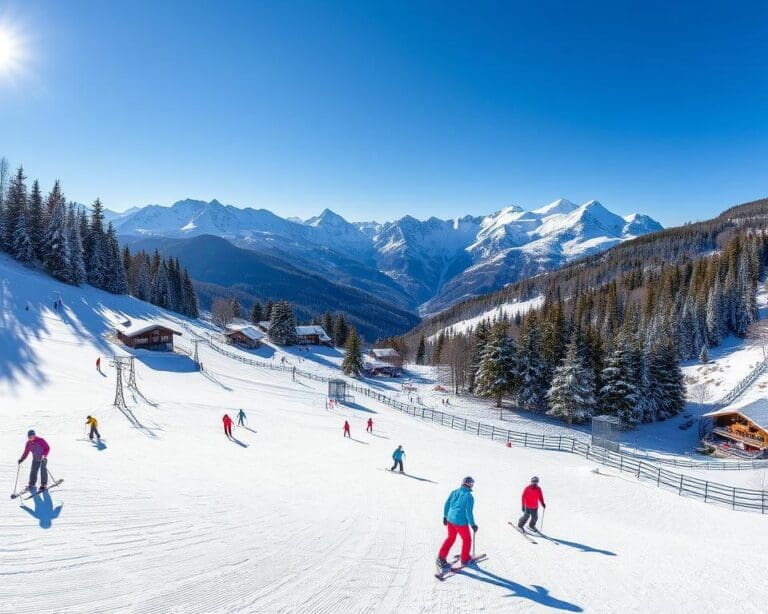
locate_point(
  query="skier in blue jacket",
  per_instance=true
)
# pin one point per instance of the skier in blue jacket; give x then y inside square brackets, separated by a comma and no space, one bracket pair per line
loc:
[458,517]
[397,456]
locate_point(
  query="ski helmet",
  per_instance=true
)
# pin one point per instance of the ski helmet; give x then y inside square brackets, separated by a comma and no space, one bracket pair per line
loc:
[469,482]
[30,433]
[534,480]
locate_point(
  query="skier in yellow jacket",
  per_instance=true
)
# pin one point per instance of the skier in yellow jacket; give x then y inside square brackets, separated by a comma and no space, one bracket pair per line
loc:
[94,424]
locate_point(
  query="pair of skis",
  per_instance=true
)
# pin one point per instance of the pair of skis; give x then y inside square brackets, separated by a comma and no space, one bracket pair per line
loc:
[527,535]
[25,491]
[447,572]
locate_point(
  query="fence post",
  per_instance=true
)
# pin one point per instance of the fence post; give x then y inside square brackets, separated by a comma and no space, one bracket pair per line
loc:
[680,488]
[734,497]
[493,432]
[452,419]
[525,440]
[478,428]
[658,477]
[706,489]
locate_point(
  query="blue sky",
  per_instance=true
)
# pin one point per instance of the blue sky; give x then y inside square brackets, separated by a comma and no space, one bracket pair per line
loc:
[386,108]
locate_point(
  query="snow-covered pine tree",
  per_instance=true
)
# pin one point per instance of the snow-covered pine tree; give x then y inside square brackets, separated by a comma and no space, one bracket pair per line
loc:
[158,293]
[530,367]
[353,357]
[236,309]
[667,375]
[97,254]
[282,329]
[143,280]
[22,249]
[714,314]
[115,277]
[327,323]
[482,333]
[15,211]
[268,310]
[56,259]
[619,395]
[36,220]
[340,331]
[191,296]
[572,393]
[704,354]
[76,263]
[497,374]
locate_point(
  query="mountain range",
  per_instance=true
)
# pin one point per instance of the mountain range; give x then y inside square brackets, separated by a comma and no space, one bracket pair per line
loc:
[417,265]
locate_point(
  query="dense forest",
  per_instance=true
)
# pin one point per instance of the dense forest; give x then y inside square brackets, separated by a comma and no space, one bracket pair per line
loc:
[613,328]
[77,248]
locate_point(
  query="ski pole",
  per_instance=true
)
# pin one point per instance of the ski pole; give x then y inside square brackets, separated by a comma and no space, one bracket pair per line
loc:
[16,483]
[543,509]
[474,542]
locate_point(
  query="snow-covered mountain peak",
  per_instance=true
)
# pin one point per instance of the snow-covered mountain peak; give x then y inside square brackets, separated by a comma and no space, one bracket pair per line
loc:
[560,206]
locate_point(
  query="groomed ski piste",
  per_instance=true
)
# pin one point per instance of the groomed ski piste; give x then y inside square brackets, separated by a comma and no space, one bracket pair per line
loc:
[168,515]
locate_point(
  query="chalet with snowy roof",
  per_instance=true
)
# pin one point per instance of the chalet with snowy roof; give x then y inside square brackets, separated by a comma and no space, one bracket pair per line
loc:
[147,335]
[372,368]
[387,355]
[739,431]
[312,335]
[264,326]
[245,336]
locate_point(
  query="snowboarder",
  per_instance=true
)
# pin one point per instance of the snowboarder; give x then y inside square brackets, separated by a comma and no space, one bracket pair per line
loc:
[227,425]
[532,495]
[458,517]
[241,417]
[369,427]
[94,424]
[39,448]
[397,456]
[347,432]
[98,364]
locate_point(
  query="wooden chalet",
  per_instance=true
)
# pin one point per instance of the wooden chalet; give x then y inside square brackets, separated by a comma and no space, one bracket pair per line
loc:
[147,335]
[388,355]
[245,336]
[739,431]
[312,335]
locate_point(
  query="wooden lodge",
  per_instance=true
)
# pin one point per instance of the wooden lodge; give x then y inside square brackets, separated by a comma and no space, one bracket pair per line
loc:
[246,336]
[147,335]
[739,431]
[305,335]
[387,355]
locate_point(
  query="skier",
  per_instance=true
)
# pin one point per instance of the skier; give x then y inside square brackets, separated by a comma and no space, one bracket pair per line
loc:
[227,425]
[347,432]
[397,456]
[369,428]
[98,364]
[532,495]
[458,517]
[94,424]
[240,417]
[39,449]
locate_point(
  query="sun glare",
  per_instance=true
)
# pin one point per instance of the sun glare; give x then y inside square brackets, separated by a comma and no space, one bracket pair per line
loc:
[11,51]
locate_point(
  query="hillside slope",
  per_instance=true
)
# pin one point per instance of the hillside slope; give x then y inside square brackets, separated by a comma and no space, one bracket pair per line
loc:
[169,515]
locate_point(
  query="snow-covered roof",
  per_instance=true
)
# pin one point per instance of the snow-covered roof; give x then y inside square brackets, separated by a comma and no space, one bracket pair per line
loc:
[248,331]
[303,331]
[385,353]
[142,326]
[756,411]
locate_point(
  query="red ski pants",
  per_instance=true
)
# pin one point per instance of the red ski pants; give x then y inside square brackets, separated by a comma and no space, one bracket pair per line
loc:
[228,429]
[466,541]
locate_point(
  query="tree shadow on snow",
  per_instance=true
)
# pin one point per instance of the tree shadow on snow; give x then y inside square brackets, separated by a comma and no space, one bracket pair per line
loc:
[44,511]
[535,593]
[357,407]
[379,436]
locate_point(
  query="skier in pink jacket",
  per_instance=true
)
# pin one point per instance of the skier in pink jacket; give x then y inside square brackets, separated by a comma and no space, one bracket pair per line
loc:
[39,449]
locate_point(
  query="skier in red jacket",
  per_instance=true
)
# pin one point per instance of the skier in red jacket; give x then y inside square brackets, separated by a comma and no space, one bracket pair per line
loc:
[369,428]
[347,432]
[227,425]
[532,496]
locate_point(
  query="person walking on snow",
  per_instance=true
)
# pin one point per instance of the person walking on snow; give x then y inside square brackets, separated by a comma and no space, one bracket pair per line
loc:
[227,425]
[347,432]
[94,424]
[532,496]
[98,364]
[458,516]
[241,417]
[39,448]
[397,456]
[369,428]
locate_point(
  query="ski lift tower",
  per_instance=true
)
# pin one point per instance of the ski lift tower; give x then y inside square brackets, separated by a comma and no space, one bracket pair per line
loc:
[606,433]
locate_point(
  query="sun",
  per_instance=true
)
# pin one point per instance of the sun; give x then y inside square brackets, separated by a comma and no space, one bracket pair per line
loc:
[11,50]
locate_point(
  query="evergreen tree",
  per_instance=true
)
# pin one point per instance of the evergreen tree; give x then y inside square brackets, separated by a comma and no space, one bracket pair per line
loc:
[268,310]
[530,367]
[115,280]
[97,254]
[158,294]
[36,220]
[57,259]
[482,334]
[340,331]
[22,249]
[353,358]
[191,296]
[76,263]
[704,355]
[142,291]
[256,313]
[328,323]
[282,329]
[437,352]
[421,351]
[497,374]
[236,309]
[571,395]
[619,395]
[15,212]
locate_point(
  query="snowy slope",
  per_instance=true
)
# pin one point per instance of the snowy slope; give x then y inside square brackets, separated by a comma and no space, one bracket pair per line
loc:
[496,314]
[435,262]
[170,516]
